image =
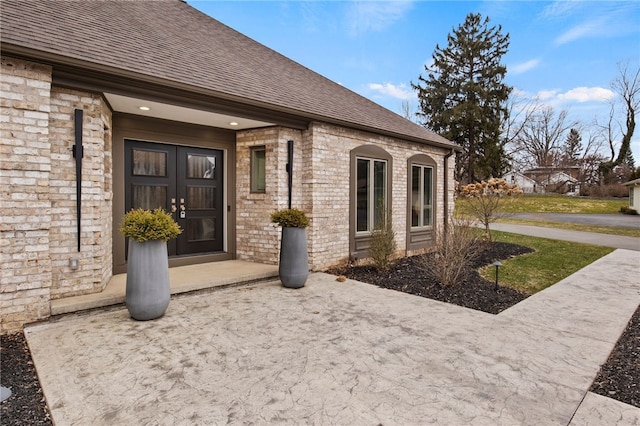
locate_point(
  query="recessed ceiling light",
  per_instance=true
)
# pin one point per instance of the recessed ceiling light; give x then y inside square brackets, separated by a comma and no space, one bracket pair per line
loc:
[233,123]
[144,108]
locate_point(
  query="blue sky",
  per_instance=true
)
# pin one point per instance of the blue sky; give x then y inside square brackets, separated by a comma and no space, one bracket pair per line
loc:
[564,52]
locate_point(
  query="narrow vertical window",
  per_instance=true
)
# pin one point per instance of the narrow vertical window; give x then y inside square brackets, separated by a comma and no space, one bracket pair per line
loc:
[421,196]
[258,169]
[371,193]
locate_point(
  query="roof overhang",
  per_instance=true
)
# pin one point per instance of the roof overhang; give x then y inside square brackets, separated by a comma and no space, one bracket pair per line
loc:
[129,88]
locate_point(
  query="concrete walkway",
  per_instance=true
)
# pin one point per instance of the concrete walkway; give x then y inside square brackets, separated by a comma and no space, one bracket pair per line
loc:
[607,240]
[344,353]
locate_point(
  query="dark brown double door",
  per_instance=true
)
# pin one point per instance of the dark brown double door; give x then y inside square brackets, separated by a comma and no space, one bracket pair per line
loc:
[188,182]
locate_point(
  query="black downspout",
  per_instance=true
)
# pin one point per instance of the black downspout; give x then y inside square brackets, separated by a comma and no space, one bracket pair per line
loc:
[446,191]
[290,167]
[78,152]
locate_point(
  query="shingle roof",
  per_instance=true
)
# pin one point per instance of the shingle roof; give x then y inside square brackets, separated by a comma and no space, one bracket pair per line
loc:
[170,40]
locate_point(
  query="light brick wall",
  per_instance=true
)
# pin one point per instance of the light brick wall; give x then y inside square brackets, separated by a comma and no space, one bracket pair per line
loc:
[25,207]
[321,188]
[37,190]
[95,256]
[257,239]
[330,181]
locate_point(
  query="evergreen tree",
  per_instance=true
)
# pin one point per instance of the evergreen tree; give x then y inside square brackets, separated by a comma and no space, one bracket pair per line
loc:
[463,97]
[629,160]
[572,148]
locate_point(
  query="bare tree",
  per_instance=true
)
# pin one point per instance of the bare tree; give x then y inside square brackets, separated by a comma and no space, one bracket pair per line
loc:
[539,139]
[408,111]
[627,87]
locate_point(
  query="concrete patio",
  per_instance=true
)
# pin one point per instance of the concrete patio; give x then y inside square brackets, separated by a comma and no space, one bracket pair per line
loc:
[343,353]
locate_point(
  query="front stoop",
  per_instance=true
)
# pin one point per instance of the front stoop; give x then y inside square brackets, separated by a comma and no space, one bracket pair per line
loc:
[183,279]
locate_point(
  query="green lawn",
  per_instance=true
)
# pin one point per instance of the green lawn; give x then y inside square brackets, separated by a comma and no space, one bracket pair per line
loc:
[560,204]
[551,262]
[564,204]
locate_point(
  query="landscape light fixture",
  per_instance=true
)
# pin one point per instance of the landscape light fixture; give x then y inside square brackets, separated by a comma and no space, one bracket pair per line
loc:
[497,264]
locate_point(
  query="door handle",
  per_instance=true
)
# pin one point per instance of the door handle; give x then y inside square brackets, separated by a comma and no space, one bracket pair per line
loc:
[173,208]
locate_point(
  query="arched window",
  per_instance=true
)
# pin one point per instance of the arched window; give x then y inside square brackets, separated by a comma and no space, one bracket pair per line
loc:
[421,201]
[370,193]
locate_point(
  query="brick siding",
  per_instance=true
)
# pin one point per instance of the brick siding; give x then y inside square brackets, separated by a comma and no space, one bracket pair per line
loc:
[37,182]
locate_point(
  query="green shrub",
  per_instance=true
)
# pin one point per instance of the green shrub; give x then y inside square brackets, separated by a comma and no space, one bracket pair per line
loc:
[144,225]
[292,218]
[382,245]
[628,210]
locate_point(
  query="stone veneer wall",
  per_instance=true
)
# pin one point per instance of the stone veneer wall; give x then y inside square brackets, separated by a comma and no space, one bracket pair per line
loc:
[321,188]
[37,194]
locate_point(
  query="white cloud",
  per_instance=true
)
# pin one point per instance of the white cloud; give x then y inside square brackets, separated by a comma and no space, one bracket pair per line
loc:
[559,9]
[586,29]
[401,91]
[364,16]
[587,94]
[545,95]
[524,66]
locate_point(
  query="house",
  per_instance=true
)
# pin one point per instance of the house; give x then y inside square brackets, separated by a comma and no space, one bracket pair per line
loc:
[131,105]
[526,184]
[543,180]
[556,180]
[634,194]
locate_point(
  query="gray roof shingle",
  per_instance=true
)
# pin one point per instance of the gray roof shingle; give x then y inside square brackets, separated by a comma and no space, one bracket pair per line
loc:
[172,41]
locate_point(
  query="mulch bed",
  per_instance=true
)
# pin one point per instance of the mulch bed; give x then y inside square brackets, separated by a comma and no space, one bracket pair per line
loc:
[472,291]
[26,405]
[619,378]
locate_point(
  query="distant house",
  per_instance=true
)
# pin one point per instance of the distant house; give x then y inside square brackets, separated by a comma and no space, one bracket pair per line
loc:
[526,184]
[556,180]
[159,105]
[546,179]
[634,194]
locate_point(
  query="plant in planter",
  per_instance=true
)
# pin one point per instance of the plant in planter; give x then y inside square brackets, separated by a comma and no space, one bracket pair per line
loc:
[294,262]
[147,294]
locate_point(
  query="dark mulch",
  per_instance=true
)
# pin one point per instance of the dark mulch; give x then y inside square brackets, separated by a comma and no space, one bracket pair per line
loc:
[26,405]
[619,377]
[472,291]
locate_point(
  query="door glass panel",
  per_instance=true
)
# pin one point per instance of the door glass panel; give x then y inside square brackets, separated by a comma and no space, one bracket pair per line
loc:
[149,197]
[149,163]
[201,197]
[362,189]
[201,166]
[201,229]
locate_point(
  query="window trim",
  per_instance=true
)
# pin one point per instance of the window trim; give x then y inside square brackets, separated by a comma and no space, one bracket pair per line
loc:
[252,183]
[359,241]
[371,190]
[422,168]
[422,236]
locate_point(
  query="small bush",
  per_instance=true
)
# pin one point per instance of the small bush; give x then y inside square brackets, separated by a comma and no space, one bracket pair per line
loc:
[456,249]
[628,210]
[292,218]
[382,245]
[144,225]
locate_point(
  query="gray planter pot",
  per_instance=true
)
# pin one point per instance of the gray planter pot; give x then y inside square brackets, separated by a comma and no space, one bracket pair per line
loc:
[147,295]
[294,260]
